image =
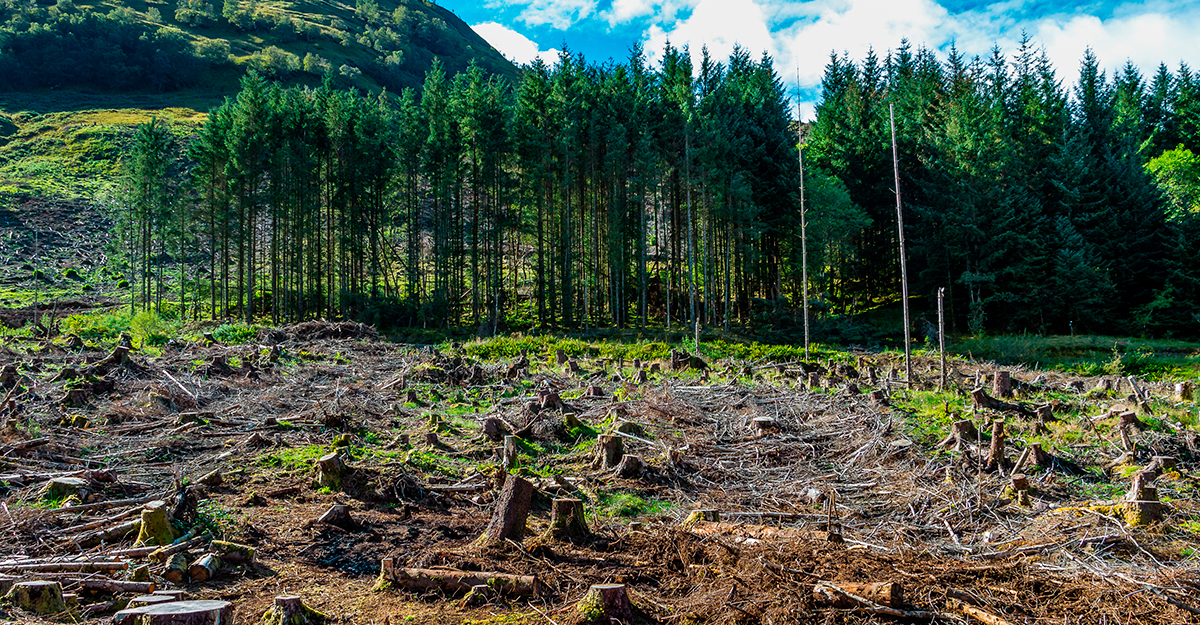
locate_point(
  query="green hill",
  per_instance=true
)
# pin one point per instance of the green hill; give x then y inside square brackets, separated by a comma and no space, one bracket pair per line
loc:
[202,47]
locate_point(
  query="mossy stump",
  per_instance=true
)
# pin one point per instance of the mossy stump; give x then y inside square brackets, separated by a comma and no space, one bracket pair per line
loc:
[606,603]
[1142,506]
[290,610]
[37,597]
[566,519]
[329,471]
[156,525]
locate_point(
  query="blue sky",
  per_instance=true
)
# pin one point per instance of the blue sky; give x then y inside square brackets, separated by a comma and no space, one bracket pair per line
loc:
[801,35]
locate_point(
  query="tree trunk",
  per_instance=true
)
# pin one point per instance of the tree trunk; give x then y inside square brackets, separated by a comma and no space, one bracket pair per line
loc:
[512,509]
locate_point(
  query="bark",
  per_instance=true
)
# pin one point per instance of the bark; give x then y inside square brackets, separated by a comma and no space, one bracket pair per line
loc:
[512,509]
[606,603]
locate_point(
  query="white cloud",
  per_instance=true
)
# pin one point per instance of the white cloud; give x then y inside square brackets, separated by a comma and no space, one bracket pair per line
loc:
[560,14]
[513,45]
[801,35]
[718,24]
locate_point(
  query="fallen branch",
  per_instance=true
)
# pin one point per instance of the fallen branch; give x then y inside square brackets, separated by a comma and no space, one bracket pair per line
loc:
[451,581]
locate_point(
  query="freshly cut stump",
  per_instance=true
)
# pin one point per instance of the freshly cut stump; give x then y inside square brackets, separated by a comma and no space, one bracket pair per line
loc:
[178,613]
[566,519]
[512,510]
[606,603]
[290,610]
[37,597]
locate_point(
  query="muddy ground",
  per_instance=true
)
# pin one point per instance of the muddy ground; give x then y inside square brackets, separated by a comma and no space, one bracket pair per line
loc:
[829,464]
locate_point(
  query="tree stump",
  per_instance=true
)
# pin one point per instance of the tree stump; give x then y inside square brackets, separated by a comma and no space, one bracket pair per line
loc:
[642,377]
[630,466]
[1142,506]
[329,471]
[609,450]
[212,478]
[410,397]
[37,597]
[1159,465]
[566,519]
[573,366]
[1045,413]
[431,439]
[594,391]
[512,509]
[493,429]
[61,488]
[550,399]
[655,368]
[852,389]
[151,599]
[560,357]
[176,569]
[338,515]
[1183,391]
[962,431]
[510,452]
[1040,458]
[814,380]
[290,610]
[178,613]
[878,398]
[204,568]
[1129,419]
[1002,385]
[1019,482]
[156,526]
[996,452]
[606,603]
[572,422]
[872,376]
[8,375]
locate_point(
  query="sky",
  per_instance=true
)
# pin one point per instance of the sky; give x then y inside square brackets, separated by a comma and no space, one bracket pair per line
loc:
[800,35]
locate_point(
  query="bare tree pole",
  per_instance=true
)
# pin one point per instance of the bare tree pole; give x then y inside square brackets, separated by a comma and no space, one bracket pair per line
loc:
[903,259]
[942,330]
[803,222]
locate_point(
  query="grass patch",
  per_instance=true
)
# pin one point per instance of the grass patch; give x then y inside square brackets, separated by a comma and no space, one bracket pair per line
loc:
[629,505]
[1153,359]
[294,458]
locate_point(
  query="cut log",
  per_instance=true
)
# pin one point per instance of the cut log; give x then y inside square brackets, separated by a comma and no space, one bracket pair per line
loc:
[512,509]
[751,534]
[178,613]
[566,519]
[176,569]
[37,597]
[156,526]
[290,610]
[1002,385]
[162,554]
[212,479]
[233,553]
[630,466]
[850,595]
[112,585]
[609,451]
[606,603]
[204,568]
[338,515]
[453,582]
[329,471]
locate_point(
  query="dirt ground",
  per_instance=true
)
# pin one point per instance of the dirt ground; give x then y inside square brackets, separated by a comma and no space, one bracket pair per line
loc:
[827,464]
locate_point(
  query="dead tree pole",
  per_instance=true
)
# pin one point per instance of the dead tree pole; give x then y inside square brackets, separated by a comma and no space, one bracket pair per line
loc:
[942,330]
[903,260]
[803,228]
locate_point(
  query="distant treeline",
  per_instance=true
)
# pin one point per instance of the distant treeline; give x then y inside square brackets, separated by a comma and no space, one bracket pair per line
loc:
[620,195]
[1036,206]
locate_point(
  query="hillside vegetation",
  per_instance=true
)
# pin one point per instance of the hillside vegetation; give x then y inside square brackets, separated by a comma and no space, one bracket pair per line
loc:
[156,46]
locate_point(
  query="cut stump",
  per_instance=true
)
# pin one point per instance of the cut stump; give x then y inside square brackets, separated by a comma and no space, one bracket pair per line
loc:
[566,519]
[178,613]
[606,603]
[37,597]
[512,509]
[290,610]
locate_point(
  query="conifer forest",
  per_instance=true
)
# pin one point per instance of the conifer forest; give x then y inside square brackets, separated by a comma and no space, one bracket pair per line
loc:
[621,195]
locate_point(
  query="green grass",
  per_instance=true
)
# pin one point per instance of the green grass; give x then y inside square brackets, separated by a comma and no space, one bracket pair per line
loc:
[1153,359]
[629,505]
[294,457]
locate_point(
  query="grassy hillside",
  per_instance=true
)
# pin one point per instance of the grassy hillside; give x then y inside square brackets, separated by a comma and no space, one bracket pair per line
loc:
[202,47]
